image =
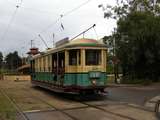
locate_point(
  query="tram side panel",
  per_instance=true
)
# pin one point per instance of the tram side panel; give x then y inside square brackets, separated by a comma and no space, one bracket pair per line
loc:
[44,70]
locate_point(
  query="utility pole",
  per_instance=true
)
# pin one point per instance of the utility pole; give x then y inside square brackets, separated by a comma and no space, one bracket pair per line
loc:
[53,39]
[32,43]
[43,41]
[115,59]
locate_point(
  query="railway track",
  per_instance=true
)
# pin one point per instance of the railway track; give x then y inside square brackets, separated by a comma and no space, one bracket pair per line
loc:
[63,111]
[107,111]
[86,106]
[18,109]
[23,114]
[55,108]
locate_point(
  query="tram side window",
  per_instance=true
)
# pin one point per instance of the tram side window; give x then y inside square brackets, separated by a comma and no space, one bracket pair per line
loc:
[93,57]
[79,57]
[73,57]
[32,66]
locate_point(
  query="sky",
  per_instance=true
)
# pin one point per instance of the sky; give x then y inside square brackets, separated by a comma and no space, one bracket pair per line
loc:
[18,26]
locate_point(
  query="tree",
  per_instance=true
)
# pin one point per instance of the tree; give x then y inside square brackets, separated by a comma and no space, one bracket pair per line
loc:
[112,60]
[141,41]
[1,60]
[125,7]
[137,37]
[13,61]
[108,40]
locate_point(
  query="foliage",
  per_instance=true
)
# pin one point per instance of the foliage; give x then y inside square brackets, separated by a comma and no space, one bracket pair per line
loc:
[13,61]
[110,69]
[1,60]
[7,111]
[137,38]
[108,40]
[142,43]
[127,80]
[125,7]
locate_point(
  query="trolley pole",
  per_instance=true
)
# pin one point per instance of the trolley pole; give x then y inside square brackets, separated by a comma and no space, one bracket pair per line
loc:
[82,33]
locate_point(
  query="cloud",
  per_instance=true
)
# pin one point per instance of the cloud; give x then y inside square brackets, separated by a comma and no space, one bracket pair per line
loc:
[34,16]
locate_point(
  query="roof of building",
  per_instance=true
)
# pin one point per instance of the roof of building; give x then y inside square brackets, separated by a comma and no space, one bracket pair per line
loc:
[24,67]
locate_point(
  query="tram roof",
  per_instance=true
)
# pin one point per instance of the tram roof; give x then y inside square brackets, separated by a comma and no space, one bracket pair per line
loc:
[75,44]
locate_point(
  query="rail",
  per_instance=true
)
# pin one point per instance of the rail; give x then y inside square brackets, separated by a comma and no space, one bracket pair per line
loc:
[23,115]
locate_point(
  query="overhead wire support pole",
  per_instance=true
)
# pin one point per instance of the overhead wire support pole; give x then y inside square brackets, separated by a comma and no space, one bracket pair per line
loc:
[32,43]
[84,31]
[43,41]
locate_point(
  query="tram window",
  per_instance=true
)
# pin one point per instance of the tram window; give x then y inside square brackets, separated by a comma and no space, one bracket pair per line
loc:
[79,58]
[73,57]
[93,57]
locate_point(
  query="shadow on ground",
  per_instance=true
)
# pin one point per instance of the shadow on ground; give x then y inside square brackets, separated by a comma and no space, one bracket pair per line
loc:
[75,97]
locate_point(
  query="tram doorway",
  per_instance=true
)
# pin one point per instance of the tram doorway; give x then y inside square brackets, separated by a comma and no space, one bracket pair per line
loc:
[58,65]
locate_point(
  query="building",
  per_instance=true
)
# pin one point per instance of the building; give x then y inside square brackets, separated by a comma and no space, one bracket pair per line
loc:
[25,68]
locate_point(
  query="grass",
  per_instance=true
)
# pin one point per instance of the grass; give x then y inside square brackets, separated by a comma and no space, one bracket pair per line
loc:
[7,111]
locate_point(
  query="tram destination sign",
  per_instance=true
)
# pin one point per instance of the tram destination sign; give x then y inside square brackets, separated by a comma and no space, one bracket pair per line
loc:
[62,42]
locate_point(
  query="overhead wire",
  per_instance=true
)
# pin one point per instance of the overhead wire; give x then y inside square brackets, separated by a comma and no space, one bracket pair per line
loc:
[50,25]
[43,11]
[11,21]
[31,9]
[76,8]
[63,15]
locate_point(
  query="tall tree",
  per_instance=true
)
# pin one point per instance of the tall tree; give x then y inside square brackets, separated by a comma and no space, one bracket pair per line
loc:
[139,49]
[1,60]
[137,37]
[13,60]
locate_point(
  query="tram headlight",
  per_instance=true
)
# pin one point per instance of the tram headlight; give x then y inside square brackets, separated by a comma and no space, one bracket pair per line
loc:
[94,82]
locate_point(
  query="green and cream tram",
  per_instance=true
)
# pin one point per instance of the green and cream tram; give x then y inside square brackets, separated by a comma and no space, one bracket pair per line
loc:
[76,66]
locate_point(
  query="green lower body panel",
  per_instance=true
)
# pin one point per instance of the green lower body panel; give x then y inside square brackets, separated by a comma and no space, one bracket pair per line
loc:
[71,79]
[83,79]
[43,76]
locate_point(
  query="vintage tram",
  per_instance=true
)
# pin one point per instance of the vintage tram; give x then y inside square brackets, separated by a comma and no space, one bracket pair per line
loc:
[75,66]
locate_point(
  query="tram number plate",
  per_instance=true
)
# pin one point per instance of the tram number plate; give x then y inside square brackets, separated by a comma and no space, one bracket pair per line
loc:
[94,74]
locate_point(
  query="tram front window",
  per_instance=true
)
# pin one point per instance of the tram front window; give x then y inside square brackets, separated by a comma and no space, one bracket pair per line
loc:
[93,57]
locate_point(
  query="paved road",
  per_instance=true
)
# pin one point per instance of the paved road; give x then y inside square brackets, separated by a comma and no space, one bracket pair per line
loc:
[136,95]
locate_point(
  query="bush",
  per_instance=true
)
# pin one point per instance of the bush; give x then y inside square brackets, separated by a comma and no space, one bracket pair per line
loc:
[129,80]
[110,69]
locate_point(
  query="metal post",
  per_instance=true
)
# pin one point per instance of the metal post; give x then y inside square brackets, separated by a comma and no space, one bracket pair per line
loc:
[43,41]
[31,43]
[114,55]
[57,66]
